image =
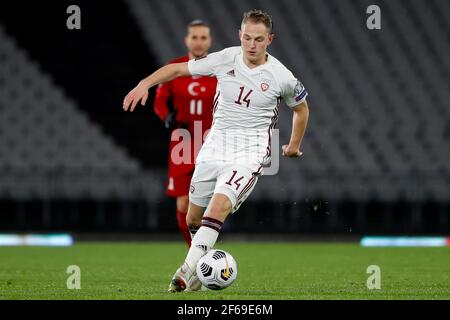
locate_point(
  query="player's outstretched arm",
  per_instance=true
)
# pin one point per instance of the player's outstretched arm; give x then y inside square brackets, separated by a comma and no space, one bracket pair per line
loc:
[299,123]
[163,74]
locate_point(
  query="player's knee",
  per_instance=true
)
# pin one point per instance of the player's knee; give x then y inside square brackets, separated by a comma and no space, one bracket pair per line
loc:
[219,208]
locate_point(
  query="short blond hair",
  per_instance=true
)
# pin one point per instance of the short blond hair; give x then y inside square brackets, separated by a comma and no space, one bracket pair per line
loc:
[258,16]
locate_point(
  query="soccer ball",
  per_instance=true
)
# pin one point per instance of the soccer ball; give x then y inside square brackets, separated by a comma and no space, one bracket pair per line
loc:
[217,269]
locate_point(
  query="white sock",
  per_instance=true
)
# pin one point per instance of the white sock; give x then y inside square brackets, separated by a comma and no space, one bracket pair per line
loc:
[202,242]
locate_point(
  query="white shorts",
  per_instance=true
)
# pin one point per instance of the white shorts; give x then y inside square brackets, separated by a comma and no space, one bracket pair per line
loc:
[236,181]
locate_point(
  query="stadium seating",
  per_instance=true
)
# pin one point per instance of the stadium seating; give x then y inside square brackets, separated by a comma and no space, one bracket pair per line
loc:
[48,147]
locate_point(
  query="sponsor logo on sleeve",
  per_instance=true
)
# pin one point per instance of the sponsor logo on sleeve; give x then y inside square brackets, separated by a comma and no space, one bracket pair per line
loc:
[299,91]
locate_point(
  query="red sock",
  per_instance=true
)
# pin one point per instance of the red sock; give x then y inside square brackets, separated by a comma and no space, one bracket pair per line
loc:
[181,218]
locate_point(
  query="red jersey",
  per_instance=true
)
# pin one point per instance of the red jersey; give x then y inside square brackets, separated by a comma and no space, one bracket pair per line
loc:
[192,97]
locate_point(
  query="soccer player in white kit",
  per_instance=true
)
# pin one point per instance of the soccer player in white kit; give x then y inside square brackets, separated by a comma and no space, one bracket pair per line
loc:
[251,84]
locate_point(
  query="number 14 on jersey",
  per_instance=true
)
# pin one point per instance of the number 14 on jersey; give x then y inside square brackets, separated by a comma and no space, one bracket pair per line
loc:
[246,98]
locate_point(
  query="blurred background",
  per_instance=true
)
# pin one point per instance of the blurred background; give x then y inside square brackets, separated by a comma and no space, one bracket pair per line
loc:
[376,153]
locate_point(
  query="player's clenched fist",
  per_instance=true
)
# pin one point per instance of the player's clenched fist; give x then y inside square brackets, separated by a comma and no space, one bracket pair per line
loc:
[139,93]
[289,152]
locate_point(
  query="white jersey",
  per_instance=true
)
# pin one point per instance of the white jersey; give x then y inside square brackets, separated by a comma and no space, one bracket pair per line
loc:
[246,105]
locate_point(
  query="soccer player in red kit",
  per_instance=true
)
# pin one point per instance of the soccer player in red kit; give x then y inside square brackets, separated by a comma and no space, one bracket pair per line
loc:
[187,103]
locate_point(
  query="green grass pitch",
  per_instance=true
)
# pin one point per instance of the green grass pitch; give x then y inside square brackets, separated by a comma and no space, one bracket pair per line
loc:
[265,271]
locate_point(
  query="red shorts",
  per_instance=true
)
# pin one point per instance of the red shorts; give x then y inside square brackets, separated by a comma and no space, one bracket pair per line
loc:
[179,180]
[179,177]
[178,186]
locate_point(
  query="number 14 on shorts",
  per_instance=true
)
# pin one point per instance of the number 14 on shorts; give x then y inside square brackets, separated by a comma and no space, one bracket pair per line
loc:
[236,182]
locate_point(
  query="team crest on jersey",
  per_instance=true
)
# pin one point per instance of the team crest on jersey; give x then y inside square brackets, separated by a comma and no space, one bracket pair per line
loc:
[265,84]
